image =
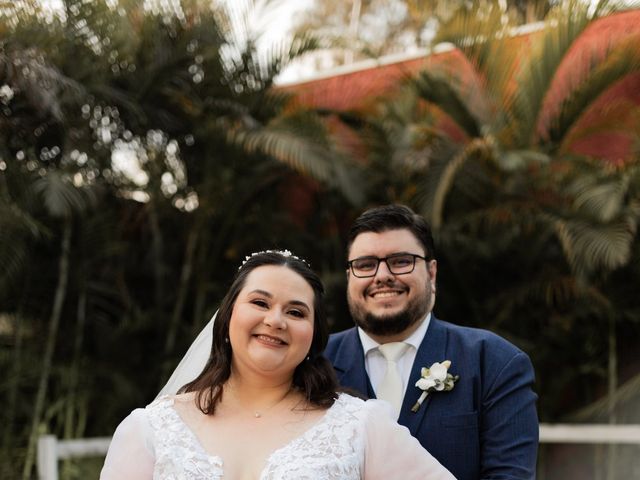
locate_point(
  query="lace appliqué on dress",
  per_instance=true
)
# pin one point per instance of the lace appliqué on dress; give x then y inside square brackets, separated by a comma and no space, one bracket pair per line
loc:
[333,449]
[179,456]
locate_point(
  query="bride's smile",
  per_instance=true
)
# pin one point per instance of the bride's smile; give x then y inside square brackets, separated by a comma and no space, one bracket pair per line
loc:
[269,340]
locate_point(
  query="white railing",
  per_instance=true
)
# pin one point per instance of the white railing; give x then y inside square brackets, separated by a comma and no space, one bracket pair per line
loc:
[50,449]
[589,433]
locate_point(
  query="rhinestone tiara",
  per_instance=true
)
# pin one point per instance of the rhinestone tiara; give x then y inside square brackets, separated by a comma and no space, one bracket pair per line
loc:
[283,253]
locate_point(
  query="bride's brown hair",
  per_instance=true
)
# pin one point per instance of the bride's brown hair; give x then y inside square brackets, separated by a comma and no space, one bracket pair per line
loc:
[314,377]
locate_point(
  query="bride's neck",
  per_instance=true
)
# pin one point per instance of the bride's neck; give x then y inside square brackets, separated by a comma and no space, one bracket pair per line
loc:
[257,390]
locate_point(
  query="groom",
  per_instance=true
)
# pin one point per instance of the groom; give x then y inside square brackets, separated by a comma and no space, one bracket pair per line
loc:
[486,426]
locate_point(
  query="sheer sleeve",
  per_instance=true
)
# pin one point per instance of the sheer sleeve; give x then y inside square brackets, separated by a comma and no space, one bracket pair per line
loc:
[391,451]
[130,455]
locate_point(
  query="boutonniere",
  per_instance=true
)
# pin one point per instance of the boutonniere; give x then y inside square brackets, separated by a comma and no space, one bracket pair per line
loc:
[434,379]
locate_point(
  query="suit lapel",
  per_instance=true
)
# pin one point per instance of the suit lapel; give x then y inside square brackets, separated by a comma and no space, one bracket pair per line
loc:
[432,349]
[349,365]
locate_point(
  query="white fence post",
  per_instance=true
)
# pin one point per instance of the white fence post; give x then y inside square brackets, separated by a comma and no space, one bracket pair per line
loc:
[48,457]
[51,450]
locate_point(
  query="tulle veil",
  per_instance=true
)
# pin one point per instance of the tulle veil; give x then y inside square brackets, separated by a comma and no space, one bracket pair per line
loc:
[192,362]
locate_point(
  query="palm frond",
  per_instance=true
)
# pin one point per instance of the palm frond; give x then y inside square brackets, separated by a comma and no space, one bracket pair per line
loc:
[601,200]
[121,99]
[617,118]
[281,54]
[60,197]
[441,180]
[564,25]
[622,61]
[13,252]
[26,70]
[17,229]
[472,29]
[515,160]
[597,221]
[591,247]
[484,35]
[554,291]
[300,141]
[436,88]
[597,412]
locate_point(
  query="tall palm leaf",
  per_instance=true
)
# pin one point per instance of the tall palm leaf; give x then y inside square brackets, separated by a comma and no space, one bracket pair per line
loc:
[621,62]
[564,25]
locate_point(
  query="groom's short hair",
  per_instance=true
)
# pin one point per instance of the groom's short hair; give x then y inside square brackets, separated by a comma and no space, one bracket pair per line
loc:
[393,217]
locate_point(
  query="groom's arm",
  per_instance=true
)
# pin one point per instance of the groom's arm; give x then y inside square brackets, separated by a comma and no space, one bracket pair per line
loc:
[509,424]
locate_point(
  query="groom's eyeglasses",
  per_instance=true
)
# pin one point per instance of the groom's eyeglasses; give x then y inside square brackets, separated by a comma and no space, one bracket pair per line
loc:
[398,264]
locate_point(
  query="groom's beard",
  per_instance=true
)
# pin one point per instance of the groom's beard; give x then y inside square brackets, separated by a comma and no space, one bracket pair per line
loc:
[393,324]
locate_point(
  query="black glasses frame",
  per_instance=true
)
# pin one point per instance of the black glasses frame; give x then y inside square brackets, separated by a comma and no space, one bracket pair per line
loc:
[385,260]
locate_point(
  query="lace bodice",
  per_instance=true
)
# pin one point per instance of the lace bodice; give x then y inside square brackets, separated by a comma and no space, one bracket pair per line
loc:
[329,449]
[346,444]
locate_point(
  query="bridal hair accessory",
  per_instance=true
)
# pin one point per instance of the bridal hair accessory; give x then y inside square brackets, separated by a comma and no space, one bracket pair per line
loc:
[434,379]
[282,253]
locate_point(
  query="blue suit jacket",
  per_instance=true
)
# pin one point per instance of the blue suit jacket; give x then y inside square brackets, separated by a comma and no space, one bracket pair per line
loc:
[487,426]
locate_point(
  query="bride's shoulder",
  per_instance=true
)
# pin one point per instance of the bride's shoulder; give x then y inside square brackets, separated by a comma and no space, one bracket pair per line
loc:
[350,404]
[183,398]
[171,410]
[348,399]
[180,398]
[181,402]
[364,407]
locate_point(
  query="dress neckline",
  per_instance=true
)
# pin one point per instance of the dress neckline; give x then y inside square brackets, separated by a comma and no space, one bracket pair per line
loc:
[168,402]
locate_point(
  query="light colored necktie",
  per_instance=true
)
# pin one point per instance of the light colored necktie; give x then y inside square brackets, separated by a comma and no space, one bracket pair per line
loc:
[390,388]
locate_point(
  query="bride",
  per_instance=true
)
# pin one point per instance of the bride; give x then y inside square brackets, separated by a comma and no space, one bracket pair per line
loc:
[265,406]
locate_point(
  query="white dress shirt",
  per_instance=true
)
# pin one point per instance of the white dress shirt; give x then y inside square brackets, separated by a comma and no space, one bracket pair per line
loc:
[376,365]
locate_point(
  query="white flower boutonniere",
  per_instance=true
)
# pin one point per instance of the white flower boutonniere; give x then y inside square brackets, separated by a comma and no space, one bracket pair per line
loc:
[434,379]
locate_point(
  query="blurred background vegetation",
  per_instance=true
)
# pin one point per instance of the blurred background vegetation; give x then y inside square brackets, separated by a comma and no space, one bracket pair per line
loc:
[145,149]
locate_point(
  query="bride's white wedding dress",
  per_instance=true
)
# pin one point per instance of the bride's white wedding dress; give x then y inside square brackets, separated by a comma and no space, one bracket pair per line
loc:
[353,440]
